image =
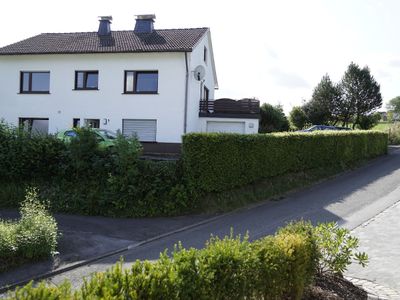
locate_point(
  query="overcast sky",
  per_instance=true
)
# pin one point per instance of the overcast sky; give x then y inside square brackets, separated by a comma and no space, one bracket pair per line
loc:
[276,51]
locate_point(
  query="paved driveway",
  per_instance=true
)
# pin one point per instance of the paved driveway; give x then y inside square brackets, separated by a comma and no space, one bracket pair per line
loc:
[380,238]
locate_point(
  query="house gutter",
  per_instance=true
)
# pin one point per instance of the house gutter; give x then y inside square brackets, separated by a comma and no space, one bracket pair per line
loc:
[186,94]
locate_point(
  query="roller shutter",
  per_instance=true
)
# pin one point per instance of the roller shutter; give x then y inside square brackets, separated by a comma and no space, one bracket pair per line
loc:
[145,130]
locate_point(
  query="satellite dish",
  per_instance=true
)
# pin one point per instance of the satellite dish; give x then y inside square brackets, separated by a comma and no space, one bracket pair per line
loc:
[199,72]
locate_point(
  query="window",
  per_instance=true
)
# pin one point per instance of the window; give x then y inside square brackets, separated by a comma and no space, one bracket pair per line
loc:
[86,80]
[205,54]
[35,82]
[141,82]
[92,123]
[76,122]
[36,126]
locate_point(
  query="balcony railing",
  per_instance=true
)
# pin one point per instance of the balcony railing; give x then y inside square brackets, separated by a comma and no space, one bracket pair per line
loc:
[229,108]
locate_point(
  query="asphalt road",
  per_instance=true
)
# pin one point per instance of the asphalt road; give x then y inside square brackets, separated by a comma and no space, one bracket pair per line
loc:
[350,199]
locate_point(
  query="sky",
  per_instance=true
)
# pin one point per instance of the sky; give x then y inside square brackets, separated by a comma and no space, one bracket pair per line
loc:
[276,51]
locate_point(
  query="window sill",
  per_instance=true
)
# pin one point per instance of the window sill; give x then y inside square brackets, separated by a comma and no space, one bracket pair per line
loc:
[33,93]
[142,93]
[85,89]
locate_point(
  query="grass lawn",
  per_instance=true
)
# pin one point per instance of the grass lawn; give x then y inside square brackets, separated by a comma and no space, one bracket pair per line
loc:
[382,126]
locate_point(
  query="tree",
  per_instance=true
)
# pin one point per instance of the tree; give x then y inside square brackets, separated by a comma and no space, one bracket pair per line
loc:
[361,94]
[325,104]
[272,118]
[297,117]
[394,105]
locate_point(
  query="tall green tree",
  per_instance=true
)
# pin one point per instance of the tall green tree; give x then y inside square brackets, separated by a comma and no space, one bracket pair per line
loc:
[361,94]
[273,118]
[325,104]
[394,105]
[297,117]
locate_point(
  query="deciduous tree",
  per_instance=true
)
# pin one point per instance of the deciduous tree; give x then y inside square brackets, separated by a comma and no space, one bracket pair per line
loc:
[297,117]
[272,118]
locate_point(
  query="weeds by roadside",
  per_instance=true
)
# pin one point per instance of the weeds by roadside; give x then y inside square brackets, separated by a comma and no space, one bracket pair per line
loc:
[32,237]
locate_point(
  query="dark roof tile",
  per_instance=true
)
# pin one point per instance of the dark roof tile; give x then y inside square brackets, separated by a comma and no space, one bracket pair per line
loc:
[165,40]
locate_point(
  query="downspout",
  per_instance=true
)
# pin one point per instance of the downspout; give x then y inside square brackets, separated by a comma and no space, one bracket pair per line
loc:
[186,94]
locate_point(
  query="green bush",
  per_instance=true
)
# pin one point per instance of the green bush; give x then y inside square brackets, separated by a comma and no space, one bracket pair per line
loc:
[33,237]
[81,177]
[26,157]
[219,162]
[394,134]
[337,249]
[275,267]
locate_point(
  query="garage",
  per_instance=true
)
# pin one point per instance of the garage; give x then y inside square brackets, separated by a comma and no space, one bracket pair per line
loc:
[232,127]
[145,130]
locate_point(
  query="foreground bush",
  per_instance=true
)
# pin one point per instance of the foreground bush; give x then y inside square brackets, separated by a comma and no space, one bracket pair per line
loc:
[275,267]
[337,249]
[219,162]
[31,238]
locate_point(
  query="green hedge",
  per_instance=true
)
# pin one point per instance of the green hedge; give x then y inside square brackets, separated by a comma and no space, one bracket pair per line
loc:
[275,267]
[80,177]
[219,162]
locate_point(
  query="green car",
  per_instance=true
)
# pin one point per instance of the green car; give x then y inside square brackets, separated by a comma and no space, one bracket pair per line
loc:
[106,138]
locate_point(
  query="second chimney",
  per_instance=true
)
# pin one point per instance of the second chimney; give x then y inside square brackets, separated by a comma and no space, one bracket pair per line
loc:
[144,23]
[105,26]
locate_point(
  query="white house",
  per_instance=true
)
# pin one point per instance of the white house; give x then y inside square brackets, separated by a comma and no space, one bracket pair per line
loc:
[157,84]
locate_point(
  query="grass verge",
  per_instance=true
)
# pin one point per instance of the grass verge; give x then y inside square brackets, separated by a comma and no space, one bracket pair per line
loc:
[274,188]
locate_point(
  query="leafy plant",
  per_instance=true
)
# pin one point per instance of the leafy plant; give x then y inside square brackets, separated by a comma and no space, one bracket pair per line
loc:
[33,237]
[394,134]
[273,118]
[337,249]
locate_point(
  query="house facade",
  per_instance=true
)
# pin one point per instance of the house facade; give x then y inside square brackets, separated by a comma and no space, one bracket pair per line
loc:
[155,84]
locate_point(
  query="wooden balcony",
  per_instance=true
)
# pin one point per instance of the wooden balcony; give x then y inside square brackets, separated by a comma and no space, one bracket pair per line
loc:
[229,108]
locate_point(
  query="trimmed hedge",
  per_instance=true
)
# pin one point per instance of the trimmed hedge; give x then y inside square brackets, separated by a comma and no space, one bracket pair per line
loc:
[275,267]
[219,162]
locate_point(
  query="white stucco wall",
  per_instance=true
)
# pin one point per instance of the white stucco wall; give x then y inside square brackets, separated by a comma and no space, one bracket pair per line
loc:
[251,125]
[63,103]
[196,59]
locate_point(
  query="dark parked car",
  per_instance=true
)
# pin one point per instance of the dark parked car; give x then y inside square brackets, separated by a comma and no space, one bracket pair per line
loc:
[323,127]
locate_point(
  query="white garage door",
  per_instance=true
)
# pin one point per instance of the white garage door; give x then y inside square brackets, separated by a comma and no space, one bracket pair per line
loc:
[233,127]
[145,130]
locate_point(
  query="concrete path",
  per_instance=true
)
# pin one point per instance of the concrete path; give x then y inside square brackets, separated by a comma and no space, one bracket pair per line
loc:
[350,199]
[380,238]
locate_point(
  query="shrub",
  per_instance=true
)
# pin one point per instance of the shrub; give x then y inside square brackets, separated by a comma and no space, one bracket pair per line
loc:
[394,134]
[368,121]
[274,267]
[33,237]
[219,162]
[26,157]
[337,249]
